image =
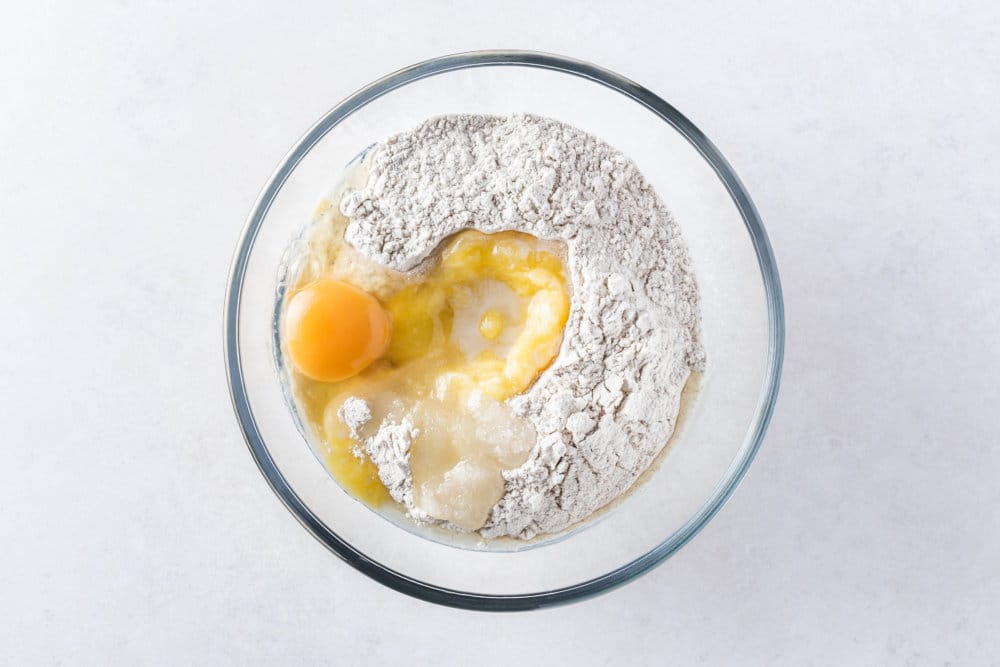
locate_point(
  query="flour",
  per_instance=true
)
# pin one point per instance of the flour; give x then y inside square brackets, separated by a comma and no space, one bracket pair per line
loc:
[356,414]
[609,402]
[389,449]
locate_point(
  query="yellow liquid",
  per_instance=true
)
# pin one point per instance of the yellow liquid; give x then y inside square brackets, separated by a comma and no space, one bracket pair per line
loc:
[475,328]
[358,477]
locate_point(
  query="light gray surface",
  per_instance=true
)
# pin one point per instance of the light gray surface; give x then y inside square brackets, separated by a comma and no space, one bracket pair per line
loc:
[135,525]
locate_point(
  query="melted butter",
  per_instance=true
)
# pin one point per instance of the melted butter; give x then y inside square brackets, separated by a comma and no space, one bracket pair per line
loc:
[358,475]
[507,277]
[477,326]
[491,324]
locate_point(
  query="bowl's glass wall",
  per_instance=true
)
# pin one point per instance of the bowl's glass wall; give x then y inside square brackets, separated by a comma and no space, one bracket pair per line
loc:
[736,328]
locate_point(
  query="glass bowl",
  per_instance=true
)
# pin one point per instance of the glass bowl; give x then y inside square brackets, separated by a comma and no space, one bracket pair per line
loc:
[720,430]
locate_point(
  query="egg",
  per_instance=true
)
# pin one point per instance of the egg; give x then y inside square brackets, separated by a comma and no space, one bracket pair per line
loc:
[334,330]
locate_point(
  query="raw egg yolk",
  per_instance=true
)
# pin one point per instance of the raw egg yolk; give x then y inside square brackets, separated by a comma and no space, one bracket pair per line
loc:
[334,330]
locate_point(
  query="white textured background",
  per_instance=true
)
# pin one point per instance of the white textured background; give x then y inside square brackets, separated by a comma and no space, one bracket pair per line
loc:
[135,527]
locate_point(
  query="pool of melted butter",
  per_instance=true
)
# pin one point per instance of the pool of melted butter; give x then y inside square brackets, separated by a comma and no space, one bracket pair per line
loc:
[473,326]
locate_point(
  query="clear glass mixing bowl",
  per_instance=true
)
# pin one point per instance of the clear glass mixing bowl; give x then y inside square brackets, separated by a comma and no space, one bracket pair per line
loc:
[743,326]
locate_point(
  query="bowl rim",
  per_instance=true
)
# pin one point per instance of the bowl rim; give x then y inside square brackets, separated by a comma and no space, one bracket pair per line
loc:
[621,575]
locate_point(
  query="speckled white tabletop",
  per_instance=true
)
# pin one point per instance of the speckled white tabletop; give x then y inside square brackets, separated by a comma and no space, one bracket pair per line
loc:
[136,529]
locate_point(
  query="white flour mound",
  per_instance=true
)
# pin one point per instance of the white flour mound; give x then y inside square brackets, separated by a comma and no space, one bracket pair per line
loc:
[609,402]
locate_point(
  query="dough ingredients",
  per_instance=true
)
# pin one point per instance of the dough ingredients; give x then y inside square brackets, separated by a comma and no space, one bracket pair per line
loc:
[539,443]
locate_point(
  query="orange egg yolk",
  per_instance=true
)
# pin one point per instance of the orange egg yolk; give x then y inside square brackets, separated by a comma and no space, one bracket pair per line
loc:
[334,330]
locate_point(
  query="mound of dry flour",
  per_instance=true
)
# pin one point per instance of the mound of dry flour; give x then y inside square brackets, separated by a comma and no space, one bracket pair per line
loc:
[609,402]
